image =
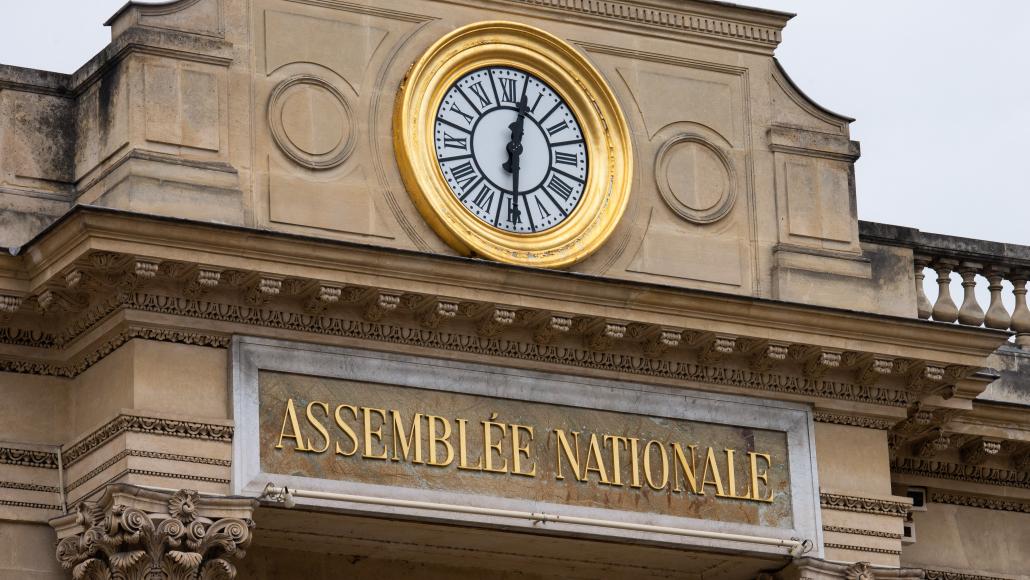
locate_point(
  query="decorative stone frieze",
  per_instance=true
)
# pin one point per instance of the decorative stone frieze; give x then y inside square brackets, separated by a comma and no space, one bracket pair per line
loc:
[28,457]
[866,505]
[952,575]
[962,472]
[862,532]
[143,424]
[134,532]
[852,420]
[977,501]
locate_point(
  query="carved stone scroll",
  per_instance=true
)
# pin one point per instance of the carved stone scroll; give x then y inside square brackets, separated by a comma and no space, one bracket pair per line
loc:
[137,533]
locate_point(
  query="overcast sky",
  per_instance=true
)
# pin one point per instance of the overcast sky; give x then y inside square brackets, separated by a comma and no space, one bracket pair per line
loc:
[939,87]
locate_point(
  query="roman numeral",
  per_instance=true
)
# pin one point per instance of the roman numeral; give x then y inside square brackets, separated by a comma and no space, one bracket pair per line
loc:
[508,90]
[557,128]
[558,187]
[454,142]
[562,158]
[536,102]
[464,174]
[540,206]
[455,108]
[480,92]
[485,198]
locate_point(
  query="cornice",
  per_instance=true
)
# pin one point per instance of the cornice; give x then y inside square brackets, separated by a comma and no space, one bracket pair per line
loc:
[230,247]
[978,501]
[865,505]
[961,472]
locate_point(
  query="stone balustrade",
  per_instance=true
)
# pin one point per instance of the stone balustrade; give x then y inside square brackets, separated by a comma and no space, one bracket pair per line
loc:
[941,256]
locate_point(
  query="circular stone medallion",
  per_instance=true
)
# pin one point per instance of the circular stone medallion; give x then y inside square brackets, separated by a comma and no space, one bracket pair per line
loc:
[695,178]
[311,122]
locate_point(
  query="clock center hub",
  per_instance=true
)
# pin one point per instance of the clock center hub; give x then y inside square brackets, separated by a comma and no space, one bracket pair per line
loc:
[488,142]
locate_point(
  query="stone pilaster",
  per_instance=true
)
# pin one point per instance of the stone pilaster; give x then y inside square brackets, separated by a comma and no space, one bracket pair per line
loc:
[138,533]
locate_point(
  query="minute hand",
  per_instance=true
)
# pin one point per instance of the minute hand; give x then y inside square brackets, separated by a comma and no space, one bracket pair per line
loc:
[514,149]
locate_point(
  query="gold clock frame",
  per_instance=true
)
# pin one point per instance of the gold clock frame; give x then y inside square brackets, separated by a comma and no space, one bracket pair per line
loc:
[605,133]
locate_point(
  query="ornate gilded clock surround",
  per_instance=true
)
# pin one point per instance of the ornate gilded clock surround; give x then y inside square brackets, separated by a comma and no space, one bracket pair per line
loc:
[606,136]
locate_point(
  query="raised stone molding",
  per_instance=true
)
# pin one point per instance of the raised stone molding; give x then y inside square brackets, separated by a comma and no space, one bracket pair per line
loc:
[862,548]
[149,455]
[852,420]
[951,575]
[150,425]
[961,472]
[28,457]
[71,370]
[662,18]
[867,505]
[861,532]
[976,501]
[29,487]
[134,532]
[29,504]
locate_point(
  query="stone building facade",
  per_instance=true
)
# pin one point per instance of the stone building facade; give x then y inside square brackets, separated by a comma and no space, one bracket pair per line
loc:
[238,339]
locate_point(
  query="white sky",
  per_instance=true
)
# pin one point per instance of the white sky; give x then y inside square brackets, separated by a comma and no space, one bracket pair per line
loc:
[940,89]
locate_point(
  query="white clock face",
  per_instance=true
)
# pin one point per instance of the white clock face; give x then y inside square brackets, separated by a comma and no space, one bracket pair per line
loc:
[511,150]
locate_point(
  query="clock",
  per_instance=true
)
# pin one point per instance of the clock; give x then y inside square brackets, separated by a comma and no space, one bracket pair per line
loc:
[511,149]
[512,146]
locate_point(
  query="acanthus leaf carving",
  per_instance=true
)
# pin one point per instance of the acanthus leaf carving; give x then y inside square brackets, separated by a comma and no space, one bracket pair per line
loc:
[117,541]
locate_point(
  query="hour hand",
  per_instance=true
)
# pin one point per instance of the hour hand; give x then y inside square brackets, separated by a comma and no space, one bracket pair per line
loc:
[514,146]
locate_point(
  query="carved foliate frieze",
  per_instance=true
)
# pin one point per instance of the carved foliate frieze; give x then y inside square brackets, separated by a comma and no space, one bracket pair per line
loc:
[116,541]
[977,501]
[864,505]
[962,472]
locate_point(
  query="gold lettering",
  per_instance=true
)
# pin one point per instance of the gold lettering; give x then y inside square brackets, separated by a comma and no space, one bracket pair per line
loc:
[347,430]
[634,462]
[594,454]
[318,425]
[489,446]
[764,476]
[434,441]
[463,449]
[647,465]
[291,416]
[616,457]
[369,433]
[731,477]
[711,466]
[563,445]
[689,471]
[518,450]
[405,443]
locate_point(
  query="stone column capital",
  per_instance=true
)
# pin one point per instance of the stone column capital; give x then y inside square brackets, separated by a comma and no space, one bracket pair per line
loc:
[816,569]
[145,534]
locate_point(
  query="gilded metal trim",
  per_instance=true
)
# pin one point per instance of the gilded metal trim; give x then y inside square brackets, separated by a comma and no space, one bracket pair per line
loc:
[606,135]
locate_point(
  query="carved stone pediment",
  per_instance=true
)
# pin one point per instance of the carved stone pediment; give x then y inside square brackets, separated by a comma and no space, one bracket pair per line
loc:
[139,534]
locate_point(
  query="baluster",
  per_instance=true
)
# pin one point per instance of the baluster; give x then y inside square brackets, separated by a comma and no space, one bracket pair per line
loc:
[970,313]
[1021,313]
[944,310]
[923,307]
[997,316]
